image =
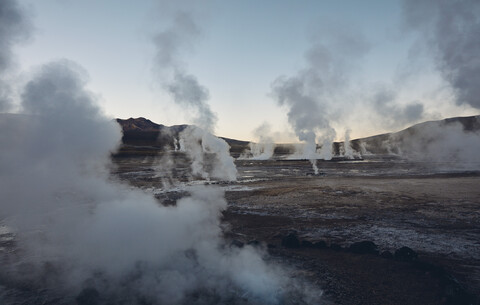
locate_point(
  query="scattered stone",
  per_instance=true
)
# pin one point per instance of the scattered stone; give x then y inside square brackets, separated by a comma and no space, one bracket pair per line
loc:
[387,254]
[336,247]
[320,244]
[405,254]
[363,247]
[454,292]
[291,241]
[307,244]
[88,296]
[254,243]
[236,243]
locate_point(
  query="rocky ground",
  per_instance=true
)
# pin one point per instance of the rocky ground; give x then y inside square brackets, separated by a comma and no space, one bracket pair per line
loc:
[346,232]
[376,231]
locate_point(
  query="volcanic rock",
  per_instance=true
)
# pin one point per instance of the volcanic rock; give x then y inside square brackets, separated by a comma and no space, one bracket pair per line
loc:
[405,254]
[363,247]
[291,241]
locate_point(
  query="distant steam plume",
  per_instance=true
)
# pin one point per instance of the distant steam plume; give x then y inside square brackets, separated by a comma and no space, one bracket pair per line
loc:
[14,28]
[347,147]
[183,87]
[451,30]
[391,113]
[311,94]
[264,148]
[188,93]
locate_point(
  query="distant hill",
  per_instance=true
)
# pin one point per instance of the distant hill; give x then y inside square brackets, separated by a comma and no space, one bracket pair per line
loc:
[417,136]
[144,137]
[450,137]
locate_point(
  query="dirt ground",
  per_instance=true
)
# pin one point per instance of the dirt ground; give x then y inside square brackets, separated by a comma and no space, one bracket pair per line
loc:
[430,208]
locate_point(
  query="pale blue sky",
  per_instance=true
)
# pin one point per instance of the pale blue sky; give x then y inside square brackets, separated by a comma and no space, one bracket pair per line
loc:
[244,47]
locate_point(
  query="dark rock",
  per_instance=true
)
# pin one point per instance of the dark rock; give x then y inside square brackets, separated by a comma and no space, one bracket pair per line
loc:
[363,247]
[454,292]
[254,243]
[320,244]
[307,244]
[336,247]
[313,174]
[405,254]
[291,241]
[88,296]
[387,254]
[236,243]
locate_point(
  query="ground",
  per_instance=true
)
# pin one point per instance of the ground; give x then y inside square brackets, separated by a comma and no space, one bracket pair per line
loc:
[430,208]
[312,225]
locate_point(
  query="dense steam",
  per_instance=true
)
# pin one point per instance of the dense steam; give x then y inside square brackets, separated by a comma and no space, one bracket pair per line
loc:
[451,29]
[264,148]
[14,28]
[79,232]
[96,233]
[210,155]
[445,144]
[348,151]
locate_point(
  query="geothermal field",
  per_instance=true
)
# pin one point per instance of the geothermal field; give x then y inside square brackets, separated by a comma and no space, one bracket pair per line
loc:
[175,219]
[372,228]
[359,182]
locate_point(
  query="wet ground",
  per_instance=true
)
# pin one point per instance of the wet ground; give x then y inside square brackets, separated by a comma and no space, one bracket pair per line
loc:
[433,209]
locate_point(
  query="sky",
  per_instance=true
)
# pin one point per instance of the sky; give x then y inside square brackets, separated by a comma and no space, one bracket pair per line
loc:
[374,74]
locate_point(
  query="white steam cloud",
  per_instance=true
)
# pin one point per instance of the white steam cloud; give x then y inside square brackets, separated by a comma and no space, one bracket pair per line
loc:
[264,148]
[78,230]
[182,86]
[445,144]
[187,92]
[451,28]
[311,94]
[210,155]
[14,28]
[96,233]
[391,113]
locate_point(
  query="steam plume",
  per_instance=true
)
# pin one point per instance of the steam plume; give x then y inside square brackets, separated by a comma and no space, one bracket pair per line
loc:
[99,234]
[451,30]
[189,93]
[184,87]
[14,28]
[347,147]
[264,148]
[210,155]
[310,95]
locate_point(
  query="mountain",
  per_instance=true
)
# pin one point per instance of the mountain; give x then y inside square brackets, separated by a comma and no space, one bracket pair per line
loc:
[451,131]
[144,137]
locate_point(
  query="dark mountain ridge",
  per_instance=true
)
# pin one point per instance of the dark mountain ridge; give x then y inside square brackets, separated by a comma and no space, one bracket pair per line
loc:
[142,136]
[418,135]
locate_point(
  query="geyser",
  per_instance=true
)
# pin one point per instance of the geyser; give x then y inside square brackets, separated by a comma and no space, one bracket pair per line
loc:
[97,233]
